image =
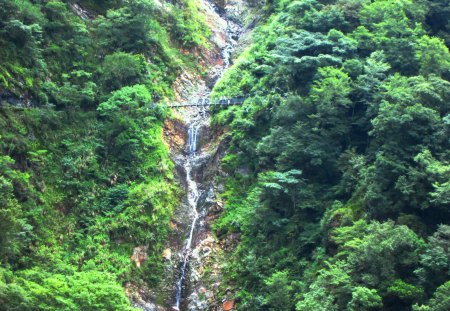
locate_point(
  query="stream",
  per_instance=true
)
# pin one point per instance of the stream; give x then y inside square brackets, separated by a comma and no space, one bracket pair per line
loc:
[193,196]
[197,120]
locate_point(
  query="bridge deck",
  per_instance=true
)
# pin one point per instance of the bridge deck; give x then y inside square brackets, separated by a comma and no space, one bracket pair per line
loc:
[206,102]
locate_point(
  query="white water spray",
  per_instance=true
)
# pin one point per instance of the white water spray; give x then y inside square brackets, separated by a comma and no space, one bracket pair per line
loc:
[193,196]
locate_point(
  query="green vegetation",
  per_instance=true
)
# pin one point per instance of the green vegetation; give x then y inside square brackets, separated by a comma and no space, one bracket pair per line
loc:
[338,164]
[85,176]
[337,171]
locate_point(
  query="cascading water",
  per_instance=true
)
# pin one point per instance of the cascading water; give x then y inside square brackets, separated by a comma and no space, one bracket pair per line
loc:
[193,196]
[192,141]
[198,118]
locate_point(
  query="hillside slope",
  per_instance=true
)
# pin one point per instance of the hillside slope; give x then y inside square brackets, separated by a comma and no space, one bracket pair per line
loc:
[85,176]
[338,185]
[335,174]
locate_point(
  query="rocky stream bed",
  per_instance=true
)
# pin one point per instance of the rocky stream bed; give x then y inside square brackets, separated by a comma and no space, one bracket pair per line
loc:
[192,256]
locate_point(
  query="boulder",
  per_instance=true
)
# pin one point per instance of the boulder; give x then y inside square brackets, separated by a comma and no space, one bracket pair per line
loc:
[228,305]
[167,254]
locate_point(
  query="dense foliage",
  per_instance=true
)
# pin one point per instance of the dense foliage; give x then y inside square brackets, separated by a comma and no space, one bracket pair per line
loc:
[337,173]
[339,163]
[85,176]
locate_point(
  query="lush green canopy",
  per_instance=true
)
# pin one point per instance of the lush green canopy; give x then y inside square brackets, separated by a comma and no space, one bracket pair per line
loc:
[352,96]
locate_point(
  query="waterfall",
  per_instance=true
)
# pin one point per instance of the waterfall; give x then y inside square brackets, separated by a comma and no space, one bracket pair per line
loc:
[198,117]
[193,196]
[192,138]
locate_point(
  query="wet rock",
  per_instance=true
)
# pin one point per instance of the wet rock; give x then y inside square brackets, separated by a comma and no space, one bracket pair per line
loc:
[215,209]
[216,24]
[22,101]
[149,306]
[82,12]
[205,136]
[142,298]
[196,303]
[200,163]
[213,76]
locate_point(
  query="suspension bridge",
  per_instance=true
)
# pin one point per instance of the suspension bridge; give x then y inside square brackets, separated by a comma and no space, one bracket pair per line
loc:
[196,102]
[204,101]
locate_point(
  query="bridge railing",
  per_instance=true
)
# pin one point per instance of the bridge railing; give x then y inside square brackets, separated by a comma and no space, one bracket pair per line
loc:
[207,102]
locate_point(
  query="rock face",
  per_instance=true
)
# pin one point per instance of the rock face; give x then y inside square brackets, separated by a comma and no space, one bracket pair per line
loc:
[167,254]
[82,12]
[174,128]
[221,3]
[142,298]
[139,255]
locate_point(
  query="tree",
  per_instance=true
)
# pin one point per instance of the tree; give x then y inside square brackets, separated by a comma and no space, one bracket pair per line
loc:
[315,17]
[122,69]
[391,27]
[130,118]
[377,255]
[128,99]
[330,290]
[434,57]
[364,298]
[438,17]
[301,54]
[435,261]
[11,212]
[39,290]
[329,95]
[77,90]
[127,28]
[279,291]
[276,183]
[437,174]
[439,302]
[400,130]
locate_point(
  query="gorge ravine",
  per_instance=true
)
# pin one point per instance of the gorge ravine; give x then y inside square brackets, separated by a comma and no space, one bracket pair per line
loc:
[192,161]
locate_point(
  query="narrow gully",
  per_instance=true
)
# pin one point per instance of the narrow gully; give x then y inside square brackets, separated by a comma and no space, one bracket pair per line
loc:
[198,118]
